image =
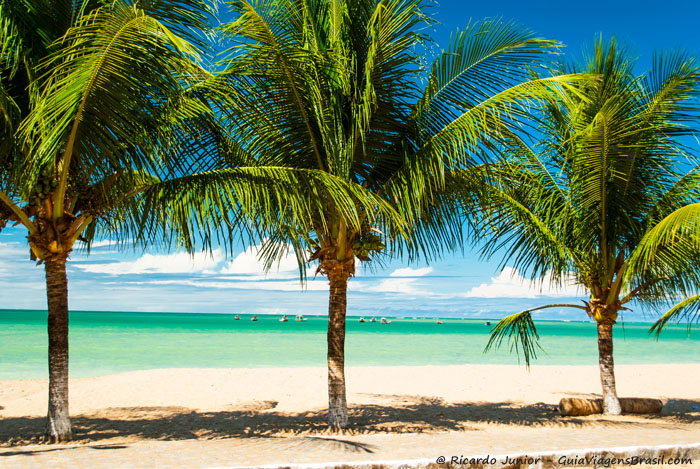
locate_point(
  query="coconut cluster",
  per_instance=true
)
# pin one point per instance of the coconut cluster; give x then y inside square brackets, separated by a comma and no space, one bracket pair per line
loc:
[366,244]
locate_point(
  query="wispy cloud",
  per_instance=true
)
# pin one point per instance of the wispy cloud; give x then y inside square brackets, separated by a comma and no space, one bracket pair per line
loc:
[402,280]
[175,263]
[106,243]
[395,285]
[409,272]
[24,282]
[14,249]
[510,284]
[278,285]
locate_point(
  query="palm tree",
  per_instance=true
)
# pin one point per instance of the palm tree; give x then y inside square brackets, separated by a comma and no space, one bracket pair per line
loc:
[87,84]
[339,88]
[590,200]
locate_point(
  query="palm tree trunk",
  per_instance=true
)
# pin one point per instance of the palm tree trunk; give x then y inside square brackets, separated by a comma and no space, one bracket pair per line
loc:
[611,404]
[58,428]
[337,402]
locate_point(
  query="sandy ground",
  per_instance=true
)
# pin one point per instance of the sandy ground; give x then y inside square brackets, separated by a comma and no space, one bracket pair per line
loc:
[482,403]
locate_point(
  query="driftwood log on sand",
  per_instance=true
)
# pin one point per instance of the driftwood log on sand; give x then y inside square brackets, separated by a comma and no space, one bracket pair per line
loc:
[571,406]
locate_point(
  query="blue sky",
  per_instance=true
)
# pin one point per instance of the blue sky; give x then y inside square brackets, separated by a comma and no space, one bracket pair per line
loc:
[460,285]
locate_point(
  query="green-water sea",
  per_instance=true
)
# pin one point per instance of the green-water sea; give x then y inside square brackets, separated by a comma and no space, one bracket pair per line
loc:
[103,342]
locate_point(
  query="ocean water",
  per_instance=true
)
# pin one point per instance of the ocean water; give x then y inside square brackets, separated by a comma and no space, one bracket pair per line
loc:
[102,343]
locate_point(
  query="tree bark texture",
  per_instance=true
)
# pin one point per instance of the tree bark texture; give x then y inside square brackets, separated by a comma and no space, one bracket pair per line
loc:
[611,403]
[337,401]
[58,427]
[573,406]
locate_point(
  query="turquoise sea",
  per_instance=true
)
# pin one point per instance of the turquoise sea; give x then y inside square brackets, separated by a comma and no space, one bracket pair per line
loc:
[103,343]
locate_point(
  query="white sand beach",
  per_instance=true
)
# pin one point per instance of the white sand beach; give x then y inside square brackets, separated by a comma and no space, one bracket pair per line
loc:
[479,405]
[301,390]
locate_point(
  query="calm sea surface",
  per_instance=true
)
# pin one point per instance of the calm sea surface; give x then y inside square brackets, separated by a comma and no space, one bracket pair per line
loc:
[103,343]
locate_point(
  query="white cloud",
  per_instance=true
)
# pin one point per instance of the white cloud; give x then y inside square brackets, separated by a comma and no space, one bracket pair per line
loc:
[395,285]
[510,284]
[176,263]
[247,263]
[409,272]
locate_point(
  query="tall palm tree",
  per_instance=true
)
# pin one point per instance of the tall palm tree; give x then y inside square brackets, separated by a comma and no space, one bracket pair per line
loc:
[339,87]
[590,200]
[87,83]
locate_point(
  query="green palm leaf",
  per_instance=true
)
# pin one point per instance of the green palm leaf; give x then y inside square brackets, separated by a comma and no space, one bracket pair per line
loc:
[688,310]
[89,105]
[521,332]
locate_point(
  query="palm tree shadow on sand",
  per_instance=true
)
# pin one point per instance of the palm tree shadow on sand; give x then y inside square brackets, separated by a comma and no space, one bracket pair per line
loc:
[260,420]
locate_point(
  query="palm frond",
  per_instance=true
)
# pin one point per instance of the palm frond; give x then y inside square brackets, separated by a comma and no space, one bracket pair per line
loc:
[688,310]
[188,20]
[521,333]
[486,82]
[484,60]
[272,46]
[260,200]
[91,108]
[679,231]
[682,192]
[9,118]
[527,215]
[672,90]
[510,110]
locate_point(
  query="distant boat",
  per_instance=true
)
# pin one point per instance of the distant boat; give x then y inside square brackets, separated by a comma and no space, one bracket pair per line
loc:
[384,321]
[439,322]
[488,323]
[362,319]
[237,317]
[254,318]
[300,318]
[373,320]
[284,318]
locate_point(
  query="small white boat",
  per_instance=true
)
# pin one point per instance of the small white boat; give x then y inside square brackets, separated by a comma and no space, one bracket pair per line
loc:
[384,321]
[300,318]
[373,320]
[237,317]
[254,318]
[284,318]
[362,319]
